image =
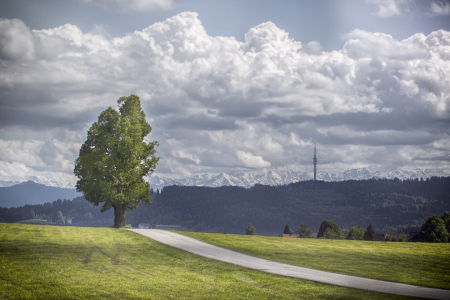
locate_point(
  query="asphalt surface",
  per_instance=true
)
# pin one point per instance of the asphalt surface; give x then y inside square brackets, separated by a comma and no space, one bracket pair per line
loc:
[206,250]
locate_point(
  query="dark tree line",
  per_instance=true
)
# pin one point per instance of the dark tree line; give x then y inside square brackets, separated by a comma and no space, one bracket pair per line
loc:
[387,204]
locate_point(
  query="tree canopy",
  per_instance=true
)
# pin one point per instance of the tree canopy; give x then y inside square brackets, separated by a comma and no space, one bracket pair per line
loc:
[115,158]
[434,230]
[329,229]
[355,233]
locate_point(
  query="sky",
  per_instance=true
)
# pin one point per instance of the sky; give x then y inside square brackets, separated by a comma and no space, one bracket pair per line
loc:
[229,85]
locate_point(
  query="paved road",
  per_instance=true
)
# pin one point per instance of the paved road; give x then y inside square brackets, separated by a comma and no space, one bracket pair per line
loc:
[206,250]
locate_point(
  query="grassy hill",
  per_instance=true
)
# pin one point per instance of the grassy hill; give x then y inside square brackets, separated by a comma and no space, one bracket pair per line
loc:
[423,264]
[52,262]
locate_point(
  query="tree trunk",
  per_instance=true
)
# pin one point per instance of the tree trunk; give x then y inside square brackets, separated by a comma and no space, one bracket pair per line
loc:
[119,216]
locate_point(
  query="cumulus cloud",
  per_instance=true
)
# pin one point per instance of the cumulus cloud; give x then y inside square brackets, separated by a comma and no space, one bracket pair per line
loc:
[133,5]
[217,104]
[390,8]
[252,161]
[17,42]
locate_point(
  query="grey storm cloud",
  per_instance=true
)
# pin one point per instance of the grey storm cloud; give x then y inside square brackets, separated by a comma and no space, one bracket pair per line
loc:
[216,103]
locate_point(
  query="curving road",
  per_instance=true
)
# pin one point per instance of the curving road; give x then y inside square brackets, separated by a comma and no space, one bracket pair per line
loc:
[207,250]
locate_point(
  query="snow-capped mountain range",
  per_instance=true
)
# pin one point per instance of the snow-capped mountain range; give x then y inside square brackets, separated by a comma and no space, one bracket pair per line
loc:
[274,177]
[38,179]
[285,177]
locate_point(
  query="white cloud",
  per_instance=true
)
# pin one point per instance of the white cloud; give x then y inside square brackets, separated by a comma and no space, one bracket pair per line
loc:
[133,5]
[390,8]
[441,8]
[17,42]
[218,104]
[251,161]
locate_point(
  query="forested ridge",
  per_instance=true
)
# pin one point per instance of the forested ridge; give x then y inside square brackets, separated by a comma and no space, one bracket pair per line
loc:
[401,205]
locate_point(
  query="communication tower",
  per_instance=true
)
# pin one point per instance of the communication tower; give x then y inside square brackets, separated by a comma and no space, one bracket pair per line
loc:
[315,161]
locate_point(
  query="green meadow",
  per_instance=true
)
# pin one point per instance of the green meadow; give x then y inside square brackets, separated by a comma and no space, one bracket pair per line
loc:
[424,264]
[52,262]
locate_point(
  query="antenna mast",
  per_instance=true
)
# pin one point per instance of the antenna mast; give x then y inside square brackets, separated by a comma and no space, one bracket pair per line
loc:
[315,161]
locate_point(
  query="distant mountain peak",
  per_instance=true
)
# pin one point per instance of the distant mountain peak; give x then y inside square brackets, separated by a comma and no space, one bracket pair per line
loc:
[39,180]
[284,177]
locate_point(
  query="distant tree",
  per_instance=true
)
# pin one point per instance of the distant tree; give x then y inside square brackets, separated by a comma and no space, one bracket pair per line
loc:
[88,216]
[304,231]
[115,158]
[392,232]
[345,232]
[332,234]
[402,238]
[59,217]
[369,235]
[355,233]
[446,218]
[287,230]
[333,230]
[32,214]
[434,230]
[250,230]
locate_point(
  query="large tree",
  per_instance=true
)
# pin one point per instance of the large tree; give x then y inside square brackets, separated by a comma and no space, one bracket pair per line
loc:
[115,158]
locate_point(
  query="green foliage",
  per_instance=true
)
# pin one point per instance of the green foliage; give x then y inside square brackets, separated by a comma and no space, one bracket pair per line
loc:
[50,262]
[402,238]
[329,230]
[446,218]
[332,234]
[400,205]
[369,235]
[114,159]
[287,230]
[434,230]
[304,231]
[59,217]
[250,230]
[32,214]
[355,233]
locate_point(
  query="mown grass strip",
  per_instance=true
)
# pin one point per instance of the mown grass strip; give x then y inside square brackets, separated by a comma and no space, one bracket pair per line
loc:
[51,262]
[422,264]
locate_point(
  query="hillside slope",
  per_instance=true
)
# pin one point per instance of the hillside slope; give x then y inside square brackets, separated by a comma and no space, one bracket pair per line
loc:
[30,192]
[51,262]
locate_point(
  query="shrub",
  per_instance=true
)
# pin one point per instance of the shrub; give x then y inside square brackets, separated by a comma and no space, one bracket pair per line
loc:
[250,230]
[304,231]
[402,238]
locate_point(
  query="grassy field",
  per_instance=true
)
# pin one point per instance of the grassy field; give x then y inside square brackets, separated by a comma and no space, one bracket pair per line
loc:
[423,264]
[52,262]
[36,222]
